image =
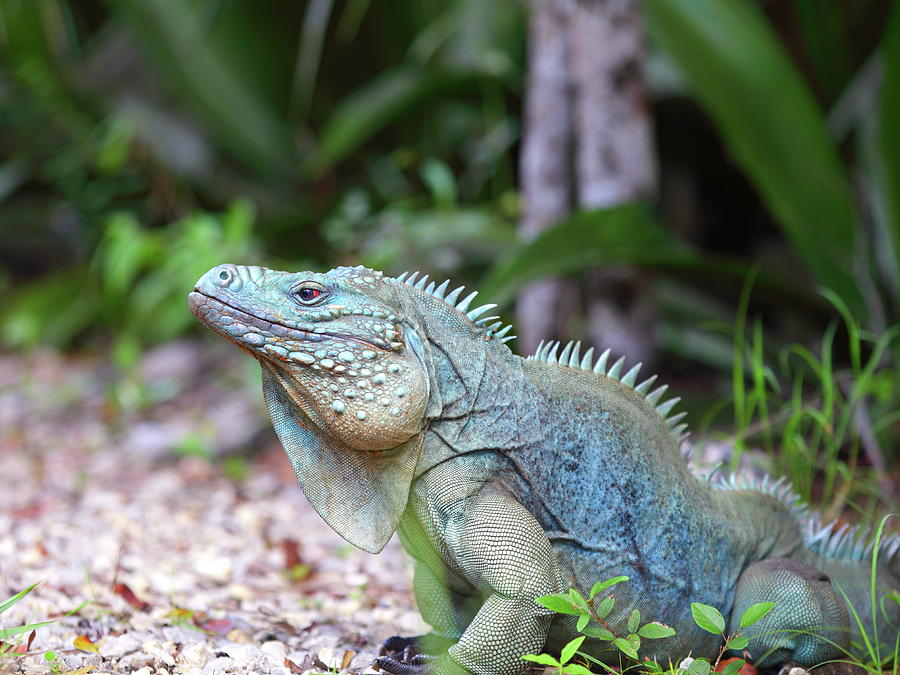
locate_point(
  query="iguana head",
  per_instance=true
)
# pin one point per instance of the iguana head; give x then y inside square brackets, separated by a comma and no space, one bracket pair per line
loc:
[344,382]
[333,341]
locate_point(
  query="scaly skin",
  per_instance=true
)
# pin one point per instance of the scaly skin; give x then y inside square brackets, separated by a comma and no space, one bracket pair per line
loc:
[508,479]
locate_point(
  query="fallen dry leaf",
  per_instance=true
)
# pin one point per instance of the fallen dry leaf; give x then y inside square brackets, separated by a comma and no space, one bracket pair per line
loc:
[85,644]
[128,595]
[217,626]
[291,666]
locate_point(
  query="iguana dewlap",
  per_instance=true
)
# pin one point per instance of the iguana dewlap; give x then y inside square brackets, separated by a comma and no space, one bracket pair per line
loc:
[510,478]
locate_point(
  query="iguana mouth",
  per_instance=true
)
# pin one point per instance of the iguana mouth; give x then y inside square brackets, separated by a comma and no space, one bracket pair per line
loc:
[274,326]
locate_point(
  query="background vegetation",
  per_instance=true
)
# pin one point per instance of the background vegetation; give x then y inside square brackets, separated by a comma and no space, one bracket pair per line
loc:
[148,140]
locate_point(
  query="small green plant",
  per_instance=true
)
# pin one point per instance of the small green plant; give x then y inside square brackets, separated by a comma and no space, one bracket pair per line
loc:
[6,633]
[711,620]
[593,611]
[563,664]
[53,661]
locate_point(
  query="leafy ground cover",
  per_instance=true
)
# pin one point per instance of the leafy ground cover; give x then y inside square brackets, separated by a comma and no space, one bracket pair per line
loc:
[184,562]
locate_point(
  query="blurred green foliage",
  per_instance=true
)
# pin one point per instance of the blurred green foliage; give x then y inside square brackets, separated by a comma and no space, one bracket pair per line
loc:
[148,140]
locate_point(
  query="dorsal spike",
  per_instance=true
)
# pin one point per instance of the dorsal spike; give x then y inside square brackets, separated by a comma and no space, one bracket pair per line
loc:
[402,277]
[587,359]
[411,279]
[644,386]
[679,429]
[440,290]
[430,288]
[664,408]
[478,311]
[631,375]
[463,305]
[657,393]
[675,419]
[503,331]
[600,366]
[537,352]
[567,350]
[420,284]
[508,338]
[485,319]
[576,355]
[616,368]
[453,295]
[551,355]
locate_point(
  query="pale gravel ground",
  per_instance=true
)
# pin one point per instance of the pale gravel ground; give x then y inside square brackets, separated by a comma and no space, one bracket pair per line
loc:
[91,495]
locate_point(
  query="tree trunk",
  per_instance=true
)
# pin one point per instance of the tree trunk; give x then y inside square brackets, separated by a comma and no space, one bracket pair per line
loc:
[587,139]
[614,159]
[545,164]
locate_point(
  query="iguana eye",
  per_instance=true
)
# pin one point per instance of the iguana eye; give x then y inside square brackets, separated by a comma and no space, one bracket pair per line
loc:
[309,293]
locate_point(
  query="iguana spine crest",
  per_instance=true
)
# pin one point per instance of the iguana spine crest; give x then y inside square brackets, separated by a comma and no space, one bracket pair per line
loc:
[496,331]
[571,358]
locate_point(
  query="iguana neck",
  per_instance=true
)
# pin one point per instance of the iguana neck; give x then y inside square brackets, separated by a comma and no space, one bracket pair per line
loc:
[476,391]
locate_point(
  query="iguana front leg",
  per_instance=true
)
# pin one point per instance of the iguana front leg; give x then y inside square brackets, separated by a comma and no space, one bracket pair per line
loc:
[504,552]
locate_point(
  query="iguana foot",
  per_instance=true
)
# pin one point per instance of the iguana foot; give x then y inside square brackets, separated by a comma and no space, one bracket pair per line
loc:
[406,664]
[809,623]
[429,643]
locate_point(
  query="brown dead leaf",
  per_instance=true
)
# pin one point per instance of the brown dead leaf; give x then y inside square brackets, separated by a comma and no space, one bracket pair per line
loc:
[128,595]
[85,644]
[348,659]
[217,626]
[291,550]
[291,666]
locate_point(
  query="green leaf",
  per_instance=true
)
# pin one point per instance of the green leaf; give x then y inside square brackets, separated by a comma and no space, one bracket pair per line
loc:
[578,600]
[6,633]
[543,659]
[6,604]
[699,667]
[601,586]
[739,642]
[755,612]
[559,603]
[737,68]
[576,669]
[569,650]
[605,606]
[597,632]
[622,235]
[175,35]
[708,618]
[656,630]
[381,101]
[732,667]
[625,647]
[582,621]
[886,148]
[634,620]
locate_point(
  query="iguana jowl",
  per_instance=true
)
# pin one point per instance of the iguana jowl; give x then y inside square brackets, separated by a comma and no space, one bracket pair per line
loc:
[511,478]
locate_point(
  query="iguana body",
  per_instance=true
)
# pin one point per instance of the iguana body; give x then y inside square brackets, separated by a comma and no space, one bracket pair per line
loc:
[511,478]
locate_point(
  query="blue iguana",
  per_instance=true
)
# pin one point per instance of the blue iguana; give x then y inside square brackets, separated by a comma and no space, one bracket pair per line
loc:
[509,478]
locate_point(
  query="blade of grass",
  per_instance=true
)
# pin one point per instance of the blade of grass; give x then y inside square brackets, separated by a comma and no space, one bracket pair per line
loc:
[737,69]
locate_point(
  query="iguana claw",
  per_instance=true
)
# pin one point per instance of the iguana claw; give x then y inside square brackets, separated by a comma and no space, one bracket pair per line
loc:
[407,664]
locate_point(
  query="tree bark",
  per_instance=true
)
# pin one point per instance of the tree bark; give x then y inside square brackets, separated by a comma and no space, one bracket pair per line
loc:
[545,163]
[614,158]
[587,141]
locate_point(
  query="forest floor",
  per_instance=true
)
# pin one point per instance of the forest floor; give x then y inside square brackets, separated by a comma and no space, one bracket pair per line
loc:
[165,527]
